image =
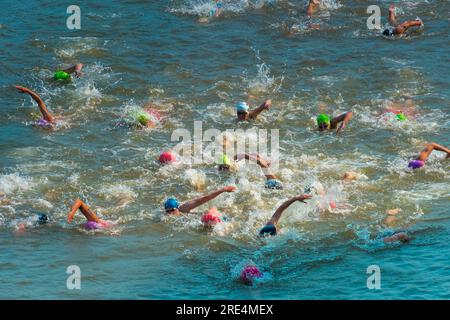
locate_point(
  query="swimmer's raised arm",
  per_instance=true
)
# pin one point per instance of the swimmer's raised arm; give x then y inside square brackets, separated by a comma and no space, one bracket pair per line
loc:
[75,69]
[392,17]
[312,6]
[85,210]
[254,113]
[42,107]
[343,118]
[194,203]
[270,226]
[425,153]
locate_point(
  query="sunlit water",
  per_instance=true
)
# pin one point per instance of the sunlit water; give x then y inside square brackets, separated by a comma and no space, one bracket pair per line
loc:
[194,67]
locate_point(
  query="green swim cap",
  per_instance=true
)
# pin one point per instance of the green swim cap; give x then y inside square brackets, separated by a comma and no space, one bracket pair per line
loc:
[61,75]
[401,117]
[224,160]
[143,118]
[323,118]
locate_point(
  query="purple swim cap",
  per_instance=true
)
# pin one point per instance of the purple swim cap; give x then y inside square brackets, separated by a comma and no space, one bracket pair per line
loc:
[43,123]
[91,225]
[249,273]
[416,164]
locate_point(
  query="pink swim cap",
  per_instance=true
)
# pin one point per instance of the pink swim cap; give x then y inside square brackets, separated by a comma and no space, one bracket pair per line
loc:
[167,158]
[211,217]
[249,273]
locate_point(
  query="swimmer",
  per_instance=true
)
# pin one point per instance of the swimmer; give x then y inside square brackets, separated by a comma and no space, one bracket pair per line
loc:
[249,274]
[350,176]
[325,123]
[270,227]
[397,237]
[312,6]
[37,220]
[218,9]
[403,109]
[172,206]
[419,162]
[399,29]
[47,119]
[244,114]
[93,222]
[272,181]
[65,73]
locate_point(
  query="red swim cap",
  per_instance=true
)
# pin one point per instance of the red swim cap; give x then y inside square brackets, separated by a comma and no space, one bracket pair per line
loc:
[167,158]
[211,217]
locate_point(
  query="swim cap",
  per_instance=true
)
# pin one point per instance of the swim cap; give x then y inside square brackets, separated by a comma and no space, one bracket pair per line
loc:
[416,164]
[274,184]
[143,118]
[61,75]
[171,203]
[401,117]
[249,273]
[167,158]
[91,225]
[211,217]
[323,118]
[268,229]
[242,107]
[43,123]
[42,218]
[224,160]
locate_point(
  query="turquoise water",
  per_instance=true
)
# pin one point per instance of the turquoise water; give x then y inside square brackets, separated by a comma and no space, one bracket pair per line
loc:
[163,52]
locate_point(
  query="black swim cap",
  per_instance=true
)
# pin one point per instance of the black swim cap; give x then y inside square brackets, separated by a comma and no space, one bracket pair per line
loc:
[270,229]
[387,33]
[42,218]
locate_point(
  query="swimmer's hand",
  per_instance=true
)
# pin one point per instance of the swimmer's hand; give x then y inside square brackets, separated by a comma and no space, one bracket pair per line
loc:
[229,189]
[303,197]
[391,8]
[267,104]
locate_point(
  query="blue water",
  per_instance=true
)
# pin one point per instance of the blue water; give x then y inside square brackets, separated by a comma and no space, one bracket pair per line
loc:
[168,54]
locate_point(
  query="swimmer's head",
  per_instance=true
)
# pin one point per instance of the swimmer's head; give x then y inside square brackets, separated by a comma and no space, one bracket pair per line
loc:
[416,164]
[44,123]
[224,163]
[42,218]
[167,158]
[268,229]
[211,218]
[323,122]
[61,75]
[171,206]
[274,184]
[143,118]
[91,225]
[249,273]
[242,110]
[401,117]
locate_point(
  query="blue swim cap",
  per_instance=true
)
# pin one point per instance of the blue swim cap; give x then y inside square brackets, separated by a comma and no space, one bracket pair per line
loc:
[274,184]
[268,229]
[171,203]
[242,106]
